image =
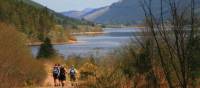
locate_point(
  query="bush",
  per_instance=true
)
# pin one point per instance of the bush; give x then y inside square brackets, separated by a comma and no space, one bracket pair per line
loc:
[17,66]
[87,70]
[107,75]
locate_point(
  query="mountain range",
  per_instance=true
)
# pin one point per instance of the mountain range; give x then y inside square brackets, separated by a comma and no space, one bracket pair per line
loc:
[122,12]
[78,14]
[59,17]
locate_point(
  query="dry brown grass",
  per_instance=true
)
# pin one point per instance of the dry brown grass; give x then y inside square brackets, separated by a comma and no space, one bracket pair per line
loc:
[17,67]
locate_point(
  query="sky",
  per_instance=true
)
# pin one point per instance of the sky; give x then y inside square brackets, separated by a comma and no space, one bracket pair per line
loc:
[68,5]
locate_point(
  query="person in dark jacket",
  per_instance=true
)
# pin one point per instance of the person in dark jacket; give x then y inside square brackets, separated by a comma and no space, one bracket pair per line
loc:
[62,75]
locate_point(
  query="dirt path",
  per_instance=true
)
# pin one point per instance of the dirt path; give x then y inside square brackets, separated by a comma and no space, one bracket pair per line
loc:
[49,83]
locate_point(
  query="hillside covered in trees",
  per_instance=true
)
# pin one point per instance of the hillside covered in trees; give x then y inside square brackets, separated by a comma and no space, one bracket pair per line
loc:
[35,20]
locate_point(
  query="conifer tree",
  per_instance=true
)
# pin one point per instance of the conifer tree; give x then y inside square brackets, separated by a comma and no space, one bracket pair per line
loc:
[46,49]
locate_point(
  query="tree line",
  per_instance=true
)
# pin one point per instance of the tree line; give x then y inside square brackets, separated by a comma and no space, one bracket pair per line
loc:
[33,19]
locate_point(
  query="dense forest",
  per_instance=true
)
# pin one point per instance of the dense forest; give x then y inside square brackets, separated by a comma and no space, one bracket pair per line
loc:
[34,20]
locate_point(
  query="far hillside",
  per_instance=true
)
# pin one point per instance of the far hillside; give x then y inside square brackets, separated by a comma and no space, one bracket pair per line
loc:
[123,12]
[38,22]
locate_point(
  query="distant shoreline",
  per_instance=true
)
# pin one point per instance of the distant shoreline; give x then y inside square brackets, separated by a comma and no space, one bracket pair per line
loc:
[135,26]
[68,42]
[53,43]
[74,34]
[88,33]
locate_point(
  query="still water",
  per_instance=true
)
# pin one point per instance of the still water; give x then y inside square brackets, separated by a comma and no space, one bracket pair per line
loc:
[95,45]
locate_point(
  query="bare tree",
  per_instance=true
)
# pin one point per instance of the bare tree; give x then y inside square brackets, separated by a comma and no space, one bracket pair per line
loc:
[174,33]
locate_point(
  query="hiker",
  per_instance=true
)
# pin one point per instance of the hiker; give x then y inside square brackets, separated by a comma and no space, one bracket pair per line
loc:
[62,76]
[56,72]
[72,73]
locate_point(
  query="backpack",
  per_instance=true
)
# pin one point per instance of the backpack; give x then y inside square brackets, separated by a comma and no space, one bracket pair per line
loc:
[72,72]
[55,70]
[62,71]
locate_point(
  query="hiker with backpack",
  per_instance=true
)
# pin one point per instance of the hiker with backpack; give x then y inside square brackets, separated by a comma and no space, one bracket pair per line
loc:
[72,73]
[62,76]
[56,72]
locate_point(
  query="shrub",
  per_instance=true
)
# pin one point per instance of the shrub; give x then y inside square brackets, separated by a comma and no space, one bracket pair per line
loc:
[87,70]
[17,66]
[108,75]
